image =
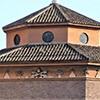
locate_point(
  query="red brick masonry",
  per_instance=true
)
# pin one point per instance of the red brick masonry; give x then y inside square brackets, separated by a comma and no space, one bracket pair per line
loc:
[50,89]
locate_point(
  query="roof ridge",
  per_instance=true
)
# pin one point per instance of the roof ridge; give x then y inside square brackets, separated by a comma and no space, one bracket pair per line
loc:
[91,52]
[80,52]
[85,16]
[10,51]
[33,17]
[58,7]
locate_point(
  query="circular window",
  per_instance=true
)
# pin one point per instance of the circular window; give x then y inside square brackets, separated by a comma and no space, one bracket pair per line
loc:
[48,37]
[84,38]
[16,39]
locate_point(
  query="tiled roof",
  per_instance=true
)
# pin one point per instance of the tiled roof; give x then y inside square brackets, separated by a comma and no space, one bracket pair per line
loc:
[6,50]
[55,13]
[91,52]
[50,52]
[41,52]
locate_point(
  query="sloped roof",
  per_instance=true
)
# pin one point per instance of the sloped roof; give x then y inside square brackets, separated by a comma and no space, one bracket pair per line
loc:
[41,52]
[54,13]
[50,52]
[91,52]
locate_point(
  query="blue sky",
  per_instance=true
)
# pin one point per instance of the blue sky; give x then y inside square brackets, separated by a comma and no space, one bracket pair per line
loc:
[12,10]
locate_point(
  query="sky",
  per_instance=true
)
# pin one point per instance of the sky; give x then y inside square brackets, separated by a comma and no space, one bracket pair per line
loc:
[12,10]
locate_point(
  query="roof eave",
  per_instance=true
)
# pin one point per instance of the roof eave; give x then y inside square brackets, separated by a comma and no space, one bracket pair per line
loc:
[94,64]
[84,25]
[62,63]
[6,29]
[78,63]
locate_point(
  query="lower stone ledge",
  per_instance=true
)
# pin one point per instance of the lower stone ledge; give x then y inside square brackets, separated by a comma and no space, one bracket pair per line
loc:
[52,79]
[92,79]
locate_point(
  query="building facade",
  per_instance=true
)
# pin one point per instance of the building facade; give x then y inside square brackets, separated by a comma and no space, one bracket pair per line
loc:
[53,54]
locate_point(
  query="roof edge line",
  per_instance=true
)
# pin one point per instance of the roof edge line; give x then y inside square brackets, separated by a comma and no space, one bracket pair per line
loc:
[47,24]
[62,13]
[30,19]
[45,64]
[10,52]
[79,52]
[94,63]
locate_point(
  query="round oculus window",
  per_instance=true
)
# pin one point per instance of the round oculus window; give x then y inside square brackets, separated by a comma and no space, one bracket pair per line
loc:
[48,37]
[16,39]
[84,38]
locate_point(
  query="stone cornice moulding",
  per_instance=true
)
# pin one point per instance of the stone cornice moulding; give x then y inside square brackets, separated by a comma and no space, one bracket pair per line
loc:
[15,28]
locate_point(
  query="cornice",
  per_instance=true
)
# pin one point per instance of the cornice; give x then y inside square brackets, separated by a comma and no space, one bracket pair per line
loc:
[24,26]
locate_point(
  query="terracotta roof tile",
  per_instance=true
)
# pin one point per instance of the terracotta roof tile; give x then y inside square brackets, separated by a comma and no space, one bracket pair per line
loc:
[55,13]
[50,52]
[91,52]
[41,52]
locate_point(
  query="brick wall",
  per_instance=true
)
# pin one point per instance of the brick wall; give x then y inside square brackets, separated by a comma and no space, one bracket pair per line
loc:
[93,90]
[42,90]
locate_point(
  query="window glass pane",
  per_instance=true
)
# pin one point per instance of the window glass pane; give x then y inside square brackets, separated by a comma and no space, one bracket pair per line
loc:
[16,39]
[48,37]
[84,38]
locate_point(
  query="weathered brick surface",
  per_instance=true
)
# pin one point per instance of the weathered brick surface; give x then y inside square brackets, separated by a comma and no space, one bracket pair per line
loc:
[93,90]
[42,90]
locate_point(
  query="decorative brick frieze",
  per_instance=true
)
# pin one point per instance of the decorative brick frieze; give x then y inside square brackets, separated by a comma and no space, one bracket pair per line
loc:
[39,73]
[49,72]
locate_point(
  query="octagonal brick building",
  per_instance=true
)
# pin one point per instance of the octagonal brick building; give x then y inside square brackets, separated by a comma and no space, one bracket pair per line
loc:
[53,54]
